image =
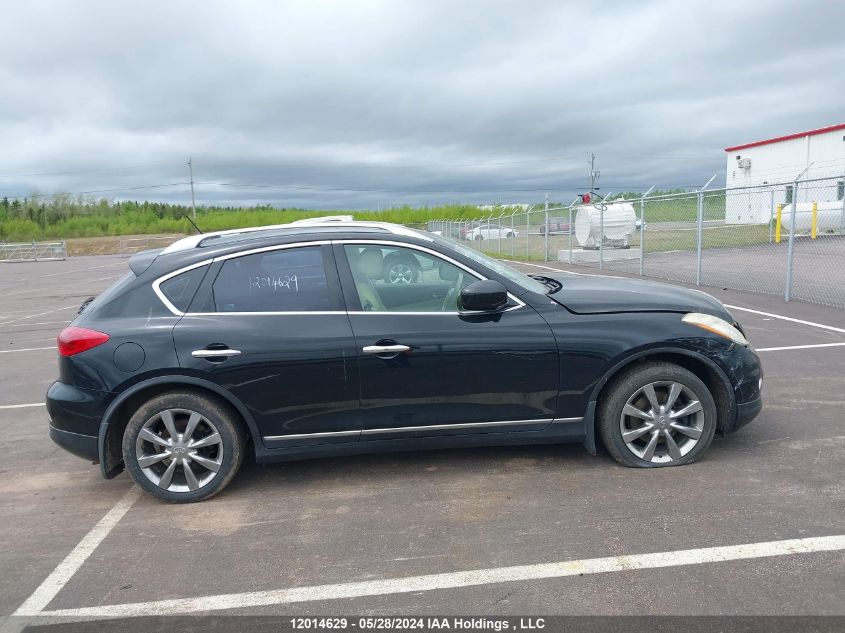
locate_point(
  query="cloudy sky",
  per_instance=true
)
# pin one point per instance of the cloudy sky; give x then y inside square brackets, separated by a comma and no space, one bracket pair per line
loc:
[363,104]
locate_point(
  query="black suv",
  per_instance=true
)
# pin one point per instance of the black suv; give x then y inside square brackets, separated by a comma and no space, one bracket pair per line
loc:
[290,342]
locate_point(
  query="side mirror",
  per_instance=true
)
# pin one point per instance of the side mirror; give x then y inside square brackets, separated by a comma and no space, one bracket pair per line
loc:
[483,296]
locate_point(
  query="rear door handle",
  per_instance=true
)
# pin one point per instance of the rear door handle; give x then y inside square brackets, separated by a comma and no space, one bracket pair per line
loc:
[215,353]
[386,349]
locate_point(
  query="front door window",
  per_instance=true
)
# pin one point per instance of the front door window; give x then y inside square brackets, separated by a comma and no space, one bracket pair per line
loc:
[397,279]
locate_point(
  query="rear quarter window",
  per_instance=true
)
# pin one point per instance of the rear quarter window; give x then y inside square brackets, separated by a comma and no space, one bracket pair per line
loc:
[180,290]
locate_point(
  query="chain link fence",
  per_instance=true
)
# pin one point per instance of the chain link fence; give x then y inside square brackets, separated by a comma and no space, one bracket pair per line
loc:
[785,238]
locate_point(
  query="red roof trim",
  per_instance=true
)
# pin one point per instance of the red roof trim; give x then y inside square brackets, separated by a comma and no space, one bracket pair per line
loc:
[788,137]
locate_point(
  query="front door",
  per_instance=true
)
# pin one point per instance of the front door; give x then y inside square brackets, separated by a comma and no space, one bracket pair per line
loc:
[271,328]
[427,370]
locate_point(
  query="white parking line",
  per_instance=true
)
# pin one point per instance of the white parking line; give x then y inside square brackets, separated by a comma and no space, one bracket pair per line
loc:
[60,576]
[21,406]
[788,347]
[32,316]
[557,270]
[473,578]
[35,291]
[25,349]
[77,270]
[40,323]
[786,318]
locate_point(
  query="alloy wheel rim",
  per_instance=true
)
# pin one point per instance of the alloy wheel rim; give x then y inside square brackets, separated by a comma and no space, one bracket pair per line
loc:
[179,450]
[400,274]
[662,422]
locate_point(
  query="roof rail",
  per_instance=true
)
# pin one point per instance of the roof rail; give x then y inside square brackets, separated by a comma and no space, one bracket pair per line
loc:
[192,241]
[324,219]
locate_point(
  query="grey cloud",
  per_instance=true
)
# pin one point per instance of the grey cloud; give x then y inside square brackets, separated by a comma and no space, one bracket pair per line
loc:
[366,103]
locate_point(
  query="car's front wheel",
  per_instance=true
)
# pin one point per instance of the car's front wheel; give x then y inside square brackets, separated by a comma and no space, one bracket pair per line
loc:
[183,446]
[401,271]
[657,414]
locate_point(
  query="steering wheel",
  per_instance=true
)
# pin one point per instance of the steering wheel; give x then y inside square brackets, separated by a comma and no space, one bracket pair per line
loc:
[454,290]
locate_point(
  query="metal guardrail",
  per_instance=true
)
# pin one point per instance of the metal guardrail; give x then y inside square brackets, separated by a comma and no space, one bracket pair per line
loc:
[32,251]
[131,245]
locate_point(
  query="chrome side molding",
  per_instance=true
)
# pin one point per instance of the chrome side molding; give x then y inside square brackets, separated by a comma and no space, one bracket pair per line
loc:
[413,429]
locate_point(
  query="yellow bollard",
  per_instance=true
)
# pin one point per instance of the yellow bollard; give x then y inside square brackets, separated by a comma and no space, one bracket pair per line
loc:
[778,224]
[815,224]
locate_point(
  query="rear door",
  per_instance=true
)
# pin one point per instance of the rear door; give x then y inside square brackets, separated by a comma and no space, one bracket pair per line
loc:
[428,370]
[270,327]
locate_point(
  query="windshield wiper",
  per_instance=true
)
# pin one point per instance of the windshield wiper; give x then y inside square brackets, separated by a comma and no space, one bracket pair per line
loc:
[552,284]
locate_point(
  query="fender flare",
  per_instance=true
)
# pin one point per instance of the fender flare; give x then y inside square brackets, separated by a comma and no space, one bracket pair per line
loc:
[175,381]
[590,414]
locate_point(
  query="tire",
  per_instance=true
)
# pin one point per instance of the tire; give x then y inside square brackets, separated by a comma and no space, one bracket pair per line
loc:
[212,466]
[401,270]
[478,237]
[657,442]
[510,234]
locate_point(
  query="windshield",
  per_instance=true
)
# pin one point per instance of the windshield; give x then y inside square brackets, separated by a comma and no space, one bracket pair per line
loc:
[501,268]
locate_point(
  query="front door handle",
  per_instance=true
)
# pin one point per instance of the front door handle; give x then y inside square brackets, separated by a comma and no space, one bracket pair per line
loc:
[386,349]
[215,353]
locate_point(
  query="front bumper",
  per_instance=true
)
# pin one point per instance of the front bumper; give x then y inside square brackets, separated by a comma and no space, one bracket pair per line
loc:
[747,411]
[747,378]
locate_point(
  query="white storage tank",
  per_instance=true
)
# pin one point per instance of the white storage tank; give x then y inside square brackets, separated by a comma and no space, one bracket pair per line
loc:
[830,216]
[620,221]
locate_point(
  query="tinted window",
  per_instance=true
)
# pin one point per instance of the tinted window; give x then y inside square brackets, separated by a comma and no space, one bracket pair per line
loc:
[180,289]
[395,279]
[288,280]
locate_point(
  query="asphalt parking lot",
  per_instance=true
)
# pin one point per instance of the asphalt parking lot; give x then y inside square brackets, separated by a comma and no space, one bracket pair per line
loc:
[817,275]
[393,533]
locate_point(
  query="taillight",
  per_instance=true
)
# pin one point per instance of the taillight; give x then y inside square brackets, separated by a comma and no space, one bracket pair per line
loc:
[73,340]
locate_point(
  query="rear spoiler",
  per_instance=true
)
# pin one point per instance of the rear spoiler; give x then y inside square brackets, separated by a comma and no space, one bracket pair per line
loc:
[139,262]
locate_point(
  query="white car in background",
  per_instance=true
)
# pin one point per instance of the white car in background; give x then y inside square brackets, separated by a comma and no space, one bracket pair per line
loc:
[491,232]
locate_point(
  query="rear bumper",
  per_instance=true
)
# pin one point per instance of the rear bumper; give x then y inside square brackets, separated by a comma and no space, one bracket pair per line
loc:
[75,416]
[75,410]
[84,446]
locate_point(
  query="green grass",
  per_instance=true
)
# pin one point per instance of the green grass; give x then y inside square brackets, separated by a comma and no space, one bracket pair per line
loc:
[29,221]
[61,217]
[532,247]
[682,209]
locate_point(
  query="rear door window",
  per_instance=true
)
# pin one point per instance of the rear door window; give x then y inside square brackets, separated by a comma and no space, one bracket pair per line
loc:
[286,280]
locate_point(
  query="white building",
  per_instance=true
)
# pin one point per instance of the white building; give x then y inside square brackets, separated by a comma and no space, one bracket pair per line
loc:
[761,172]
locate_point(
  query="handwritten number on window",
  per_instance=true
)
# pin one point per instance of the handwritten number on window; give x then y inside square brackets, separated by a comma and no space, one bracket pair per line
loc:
[275,282]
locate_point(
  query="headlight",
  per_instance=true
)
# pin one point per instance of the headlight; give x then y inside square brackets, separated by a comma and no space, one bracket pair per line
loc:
[716,325]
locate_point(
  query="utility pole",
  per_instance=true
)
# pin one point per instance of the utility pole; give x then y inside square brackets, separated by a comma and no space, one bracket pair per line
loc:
[193,202]
[594,173]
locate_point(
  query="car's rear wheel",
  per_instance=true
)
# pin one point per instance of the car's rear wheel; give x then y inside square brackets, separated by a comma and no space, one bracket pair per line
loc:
[657,414]
[479,237]
[183,446]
